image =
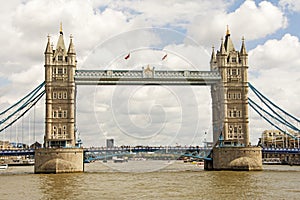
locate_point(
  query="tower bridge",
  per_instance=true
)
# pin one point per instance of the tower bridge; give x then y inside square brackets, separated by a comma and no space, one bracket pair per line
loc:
[227,78]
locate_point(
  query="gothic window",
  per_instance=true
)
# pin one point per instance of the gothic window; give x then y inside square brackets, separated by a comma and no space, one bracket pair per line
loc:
[54,114]
[235,129]
[54,95]
[60,71]
[238,113]
[228,95]
[233,59]
[54,130]
[64,70]
[234,113]
[64,114]
[240,130]
[230,129]
[59,95]
[65,95]
[60,58]
[59,114]
[233,72]
[234,95]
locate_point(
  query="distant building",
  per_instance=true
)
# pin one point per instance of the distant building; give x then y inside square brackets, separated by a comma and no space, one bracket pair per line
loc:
[278,139]
[110,143]
[36,145]
[4,144]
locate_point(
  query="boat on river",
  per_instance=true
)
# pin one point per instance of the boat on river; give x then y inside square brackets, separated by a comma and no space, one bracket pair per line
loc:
[271,161]
[3,166]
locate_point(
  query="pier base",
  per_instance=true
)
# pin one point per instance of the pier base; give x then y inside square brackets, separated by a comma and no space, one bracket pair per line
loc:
[58,160]
[235,158]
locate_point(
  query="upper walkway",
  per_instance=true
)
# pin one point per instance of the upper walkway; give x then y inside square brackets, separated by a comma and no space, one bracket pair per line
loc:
[146,76]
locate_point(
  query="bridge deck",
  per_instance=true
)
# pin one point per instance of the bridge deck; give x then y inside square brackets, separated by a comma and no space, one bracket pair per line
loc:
[145,77]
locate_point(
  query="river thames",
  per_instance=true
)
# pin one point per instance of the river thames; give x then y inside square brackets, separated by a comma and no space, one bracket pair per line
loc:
[151,180]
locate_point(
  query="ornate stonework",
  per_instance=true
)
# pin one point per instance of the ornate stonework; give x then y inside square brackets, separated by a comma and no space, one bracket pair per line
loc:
[60,65]
[230,95]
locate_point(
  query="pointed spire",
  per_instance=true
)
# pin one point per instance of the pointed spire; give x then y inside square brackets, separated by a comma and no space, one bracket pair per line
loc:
[228,43]
[60,42]
[227,31]
[213,55]
[48,47]
[222,48]
[71,49]
[243,48]
[60,29]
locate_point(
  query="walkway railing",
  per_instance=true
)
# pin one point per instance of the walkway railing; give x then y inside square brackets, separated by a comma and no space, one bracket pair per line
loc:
[146,76]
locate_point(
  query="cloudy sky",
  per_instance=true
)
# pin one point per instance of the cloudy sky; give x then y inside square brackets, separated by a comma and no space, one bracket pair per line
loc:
[106,31]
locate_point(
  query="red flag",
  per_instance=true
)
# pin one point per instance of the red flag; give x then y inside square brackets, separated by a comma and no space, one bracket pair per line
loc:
[127,56]
[165,56]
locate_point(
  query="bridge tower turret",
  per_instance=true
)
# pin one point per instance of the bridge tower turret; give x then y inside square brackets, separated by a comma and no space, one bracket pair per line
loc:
[60,65]
[230,95]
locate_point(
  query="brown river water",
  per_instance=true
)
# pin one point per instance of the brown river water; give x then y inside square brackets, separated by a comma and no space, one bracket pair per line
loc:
[151,180]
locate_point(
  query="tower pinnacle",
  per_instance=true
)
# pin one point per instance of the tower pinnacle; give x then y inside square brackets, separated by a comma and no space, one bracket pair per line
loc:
[243,48]
[60,28]
[227,31]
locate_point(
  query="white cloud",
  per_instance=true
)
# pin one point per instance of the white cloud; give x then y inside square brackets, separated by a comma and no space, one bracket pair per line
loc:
[274,70]
[249,20]
[177,13]
[282,54]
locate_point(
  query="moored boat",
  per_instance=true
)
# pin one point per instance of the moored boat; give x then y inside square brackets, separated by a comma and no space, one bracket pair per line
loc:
[3,166]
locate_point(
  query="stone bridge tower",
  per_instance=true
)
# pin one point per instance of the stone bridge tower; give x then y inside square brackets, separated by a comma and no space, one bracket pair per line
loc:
[60,65]
[230,95]
[59,154]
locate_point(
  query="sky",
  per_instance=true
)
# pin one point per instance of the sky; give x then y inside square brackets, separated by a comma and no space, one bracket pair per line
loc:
[104,32]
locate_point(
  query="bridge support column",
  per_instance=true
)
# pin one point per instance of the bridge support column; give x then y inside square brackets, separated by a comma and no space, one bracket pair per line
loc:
[235,158]
[58,160]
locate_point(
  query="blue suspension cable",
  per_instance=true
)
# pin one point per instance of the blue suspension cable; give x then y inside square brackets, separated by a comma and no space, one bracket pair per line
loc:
[252,106]
[37,88]
[274,117]
[34,101]
[33,93]
[257,92]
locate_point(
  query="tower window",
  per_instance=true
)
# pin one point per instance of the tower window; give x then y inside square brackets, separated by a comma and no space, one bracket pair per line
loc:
[54,95]
[60,71]
[234,72]
[59,114]
[65,114]
[60,58]
[233,59]
[65,95]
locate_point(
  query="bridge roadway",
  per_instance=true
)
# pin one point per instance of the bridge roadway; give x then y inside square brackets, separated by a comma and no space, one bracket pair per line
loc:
[21,152]
[146,76]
